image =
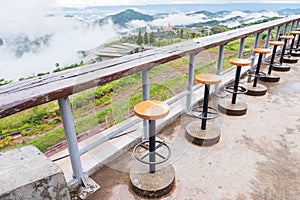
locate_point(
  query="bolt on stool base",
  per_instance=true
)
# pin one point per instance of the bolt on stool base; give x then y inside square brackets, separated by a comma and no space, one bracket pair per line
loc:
[152,185]
[270,78]
[228,108]
[289,60]
[259,90]
[209,136]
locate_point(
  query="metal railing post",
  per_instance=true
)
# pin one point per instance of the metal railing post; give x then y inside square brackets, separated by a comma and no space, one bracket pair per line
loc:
[146,96]
[277,32]
[297,24]
[69,129]
[254,46]
[190,82]
[285,28]
[241,48]
[219,65]
[268,40]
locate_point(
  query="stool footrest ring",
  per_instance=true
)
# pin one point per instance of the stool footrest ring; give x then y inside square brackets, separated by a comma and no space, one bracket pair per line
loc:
[240,90]
[197,112]
[141,158]
[252,73]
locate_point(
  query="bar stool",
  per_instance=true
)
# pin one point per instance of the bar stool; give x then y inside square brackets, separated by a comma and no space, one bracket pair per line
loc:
[146,180]
[232,107]
[294,51]
[271,77]
[201,135]
[256,89]
[285,58]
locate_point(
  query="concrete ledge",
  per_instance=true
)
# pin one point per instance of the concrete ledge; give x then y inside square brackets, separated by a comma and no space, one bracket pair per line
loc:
[26,173]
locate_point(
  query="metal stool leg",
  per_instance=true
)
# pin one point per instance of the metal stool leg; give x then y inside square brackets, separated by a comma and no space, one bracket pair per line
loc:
[205,107]
[283,51]
[236,84]
[152,145]
[257,70]
[272,60]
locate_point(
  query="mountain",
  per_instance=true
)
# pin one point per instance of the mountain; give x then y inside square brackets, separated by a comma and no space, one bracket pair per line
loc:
[121,19]
[289,11]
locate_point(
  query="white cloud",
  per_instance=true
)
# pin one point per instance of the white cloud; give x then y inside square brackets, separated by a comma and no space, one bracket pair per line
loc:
[67,37]
[179,19]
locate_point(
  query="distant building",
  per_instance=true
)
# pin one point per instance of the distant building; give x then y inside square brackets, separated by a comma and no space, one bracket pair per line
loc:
[169,27]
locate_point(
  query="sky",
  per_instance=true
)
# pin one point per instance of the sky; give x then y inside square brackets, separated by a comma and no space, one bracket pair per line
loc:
[86,3]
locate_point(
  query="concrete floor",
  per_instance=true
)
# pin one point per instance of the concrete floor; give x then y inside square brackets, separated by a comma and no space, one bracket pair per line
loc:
[258,156]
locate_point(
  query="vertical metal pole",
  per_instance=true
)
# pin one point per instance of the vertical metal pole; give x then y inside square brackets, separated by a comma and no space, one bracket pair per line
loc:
[257,70]
[292,27]
[283,51]
[241,49]
[254,46]
[267,41]
[272,60]
[277,33]
[205,107]
[68,123]
[285,28]
[292,45]
[146,96]
[219,65]
[152,145]
[236,84]
[190,83]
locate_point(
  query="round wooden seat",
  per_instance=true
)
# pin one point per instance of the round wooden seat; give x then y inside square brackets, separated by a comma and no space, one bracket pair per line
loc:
[151,109]
[262,51]
[295,32]
[240,62]
[208,79]
[276,43]
[287,37]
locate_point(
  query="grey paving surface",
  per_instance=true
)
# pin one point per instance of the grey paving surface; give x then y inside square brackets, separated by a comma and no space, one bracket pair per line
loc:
[258,156]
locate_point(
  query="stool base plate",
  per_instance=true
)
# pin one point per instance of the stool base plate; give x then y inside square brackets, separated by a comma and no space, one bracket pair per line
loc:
[296,53]
[259,90]
[290,60]
[228,108]
[282,68]
[207,137]
[152,185]
[270,78]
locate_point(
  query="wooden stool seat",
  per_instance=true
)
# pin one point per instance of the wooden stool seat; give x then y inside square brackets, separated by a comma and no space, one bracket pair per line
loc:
[151,109]
[276,43]
[208,79]
[262,51]
[295,32]
[288,37]
[240,62]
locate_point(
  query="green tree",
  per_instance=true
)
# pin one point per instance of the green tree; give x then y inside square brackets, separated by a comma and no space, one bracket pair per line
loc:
[181,33]
[151,38]
[146,38]
[140,39]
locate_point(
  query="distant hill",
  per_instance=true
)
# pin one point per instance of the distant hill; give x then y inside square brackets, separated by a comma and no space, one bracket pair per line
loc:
[126,16]
[289,11]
